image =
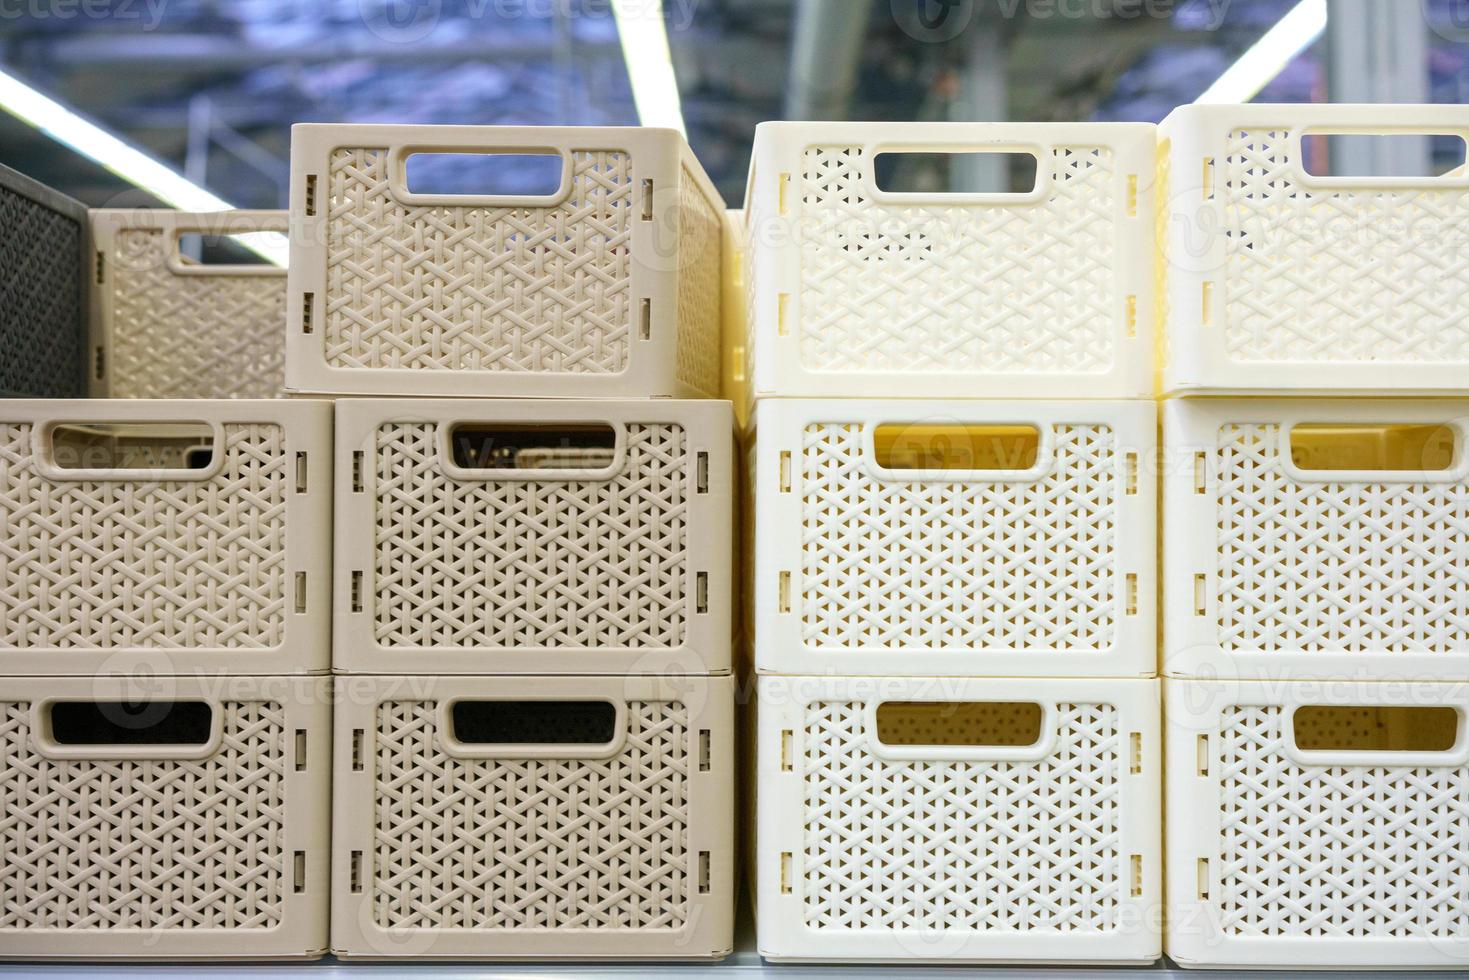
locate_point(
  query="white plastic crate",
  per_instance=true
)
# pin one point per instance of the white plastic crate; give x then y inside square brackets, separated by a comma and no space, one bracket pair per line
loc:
[532,537]
[1278,281]
[1317,824]
[166,326]
[958,820]
[607,287]
[534,818]
[171,536]
[869,558]
[164,817]
[1316,538]
[860,292]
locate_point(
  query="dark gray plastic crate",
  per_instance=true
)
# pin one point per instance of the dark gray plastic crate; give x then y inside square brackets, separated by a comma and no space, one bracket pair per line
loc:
[43,258]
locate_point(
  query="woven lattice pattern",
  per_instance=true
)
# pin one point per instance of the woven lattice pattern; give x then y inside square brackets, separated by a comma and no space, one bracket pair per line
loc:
[192,336]
[481,844]
[42,337]
[145,844]
[527,564]
[897,288]
[1359,851]
[117,564]
[1335,567]
[974,846]
[1326,275]
[700,242]
[479,289]
[1021,565]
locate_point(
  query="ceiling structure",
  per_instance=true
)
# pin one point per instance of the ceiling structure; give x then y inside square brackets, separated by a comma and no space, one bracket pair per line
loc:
[212,86]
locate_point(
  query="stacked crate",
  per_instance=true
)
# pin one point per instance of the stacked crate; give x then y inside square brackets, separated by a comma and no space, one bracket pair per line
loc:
[534,730]
[165,727]
[1315,549]
[952,579]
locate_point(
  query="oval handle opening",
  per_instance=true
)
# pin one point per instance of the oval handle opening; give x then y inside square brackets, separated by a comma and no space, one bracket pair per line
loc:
[223,252]
[1375,728]
[481,723]
[489,173]
[180,446]
[924,446]
[570,446]
[1385,154]
[102,724]
[958,171]
[1388,447]
[1004,724]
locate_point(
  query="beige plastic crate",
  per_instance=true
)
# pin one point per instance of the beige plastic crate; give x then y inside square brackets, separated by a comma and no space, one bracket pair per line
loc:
[534,536]
[608,287]
[958,820]
[1317,824]
[166,536]
[1277,281]
[534,818]
[164,326]
[164,818]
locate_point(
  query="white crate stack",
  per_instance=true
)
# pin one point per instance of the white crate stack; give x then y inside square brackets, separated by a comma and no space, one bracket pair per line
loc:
[534,544]
[1315,554]
[952,578]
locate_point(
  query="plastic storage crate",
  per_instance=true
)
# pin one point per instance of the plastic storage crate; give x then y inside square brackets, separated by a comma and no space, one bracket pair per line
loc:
[164,818]
[1316,538]
[1317,824]
[948,820]
[954,538]
[607,287]
[168,536]
[166,326]
[44,251]
[531,537]
[534,817]
[1279,281]
[860,292]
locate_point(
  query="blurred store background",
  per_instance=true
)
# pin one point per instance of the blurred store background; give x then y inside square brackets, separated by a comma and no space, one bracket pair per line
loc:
[210,87]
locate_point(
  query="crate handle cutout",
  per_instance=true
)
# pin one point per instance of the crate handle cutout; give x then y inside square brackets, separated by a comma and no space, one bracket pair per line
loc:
[996,171]
[222,253]
[1374,452]
[572,450]
[960,730]
[1396,735]
[886,163]
[493,169]
[958,452]
[1328,143]
[144,729]
[131,451]
[532,728]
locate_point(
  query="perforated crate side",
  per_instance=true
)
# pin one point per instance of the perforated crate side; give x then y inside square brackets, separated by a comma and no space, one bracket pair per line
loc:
[213,849]
[1042,571]
[164,326]
[630,856]
[1282,282]
[861,292]
[700,280]
[1275,571]
[1283,857]
[981,852]
[573,294]
[44,254]
[225,567]
[622,565]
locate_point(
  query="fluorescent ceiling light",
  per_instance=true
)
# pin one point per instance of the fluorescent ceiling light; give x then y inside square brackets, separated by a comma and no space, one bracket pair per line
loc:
[644,37]
[1267,57]
[133,165]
